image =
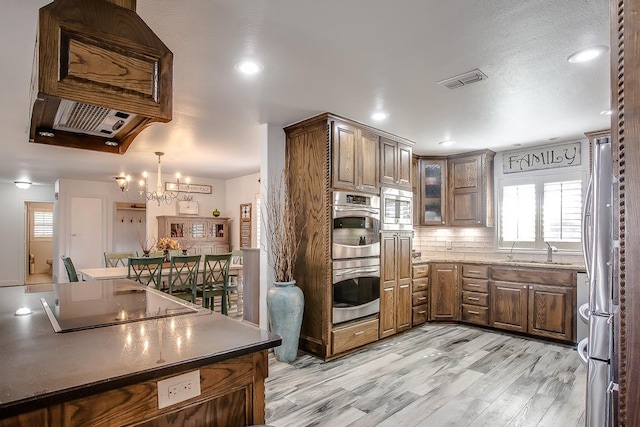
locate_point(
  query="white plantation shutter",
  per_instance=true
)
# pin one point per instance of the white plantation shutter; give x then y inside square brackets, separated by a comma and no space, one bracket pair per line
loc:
[42,225]
[561,213]
[519,213]
[540,208]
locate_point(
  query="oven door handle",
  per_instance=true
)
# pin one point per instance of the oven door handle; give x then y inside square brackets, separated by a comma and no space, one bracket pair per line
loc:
[369,210]
[352,271]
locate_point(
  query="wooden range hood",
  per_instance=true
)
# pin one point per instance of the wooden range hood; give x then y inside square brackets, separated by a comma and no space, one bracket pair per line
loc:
[100,76]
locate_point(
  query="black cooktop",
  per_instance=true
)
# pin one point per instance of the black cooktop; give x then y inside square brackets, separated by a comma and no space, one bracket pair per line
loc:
[97,303]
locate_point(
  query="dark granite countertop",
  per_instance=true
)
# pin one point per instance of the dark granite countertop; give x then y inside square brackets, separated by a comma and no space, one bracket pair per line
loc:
[40,367]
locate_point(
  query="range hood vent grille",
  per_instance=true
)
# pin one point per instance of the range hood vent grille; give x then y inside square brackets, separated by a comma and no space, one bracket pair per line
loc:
[90,119]
[473,76]
[85,117]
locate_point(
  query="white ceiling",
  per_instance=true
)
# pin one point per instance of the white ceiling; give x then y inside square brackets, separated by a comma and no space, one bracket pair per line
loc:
[346,57]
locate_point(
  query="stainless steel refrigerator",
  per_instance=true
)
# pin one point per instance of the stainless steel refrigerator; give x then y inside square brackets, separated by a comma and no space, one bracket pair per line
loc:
[597,350]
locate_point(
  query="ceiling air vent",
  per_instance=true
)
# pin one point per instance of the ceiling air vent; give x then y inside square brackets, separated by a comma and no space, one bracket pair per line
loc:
[463,79]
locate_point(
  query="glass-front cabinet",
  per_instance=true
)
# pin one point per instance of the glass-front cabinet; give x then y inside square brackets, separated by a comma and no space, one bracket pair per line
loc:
[218,229]
[197,235]
[433,184]
[198,228]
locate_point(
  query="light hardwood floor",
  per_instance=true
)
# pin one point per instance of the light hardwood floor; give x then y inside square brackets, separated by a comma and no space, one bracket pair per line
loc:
[433,375]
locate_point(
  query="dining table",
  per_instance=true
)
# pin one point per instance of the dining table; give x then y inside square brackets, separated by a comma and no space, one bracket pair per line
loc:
[104,273]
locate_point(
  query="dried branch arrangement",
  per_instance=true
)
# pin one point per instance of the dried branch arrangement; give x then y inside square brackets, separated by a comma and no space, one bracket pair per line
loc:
[280,226]
[146,244]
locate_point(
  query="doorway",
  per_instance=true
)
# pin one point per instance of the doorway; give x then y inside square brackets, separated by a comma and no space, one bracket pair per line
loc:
[39,243]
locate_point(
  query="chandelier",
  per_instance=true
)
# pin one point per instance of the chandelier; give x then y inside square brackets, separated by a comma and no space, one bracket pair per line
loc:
[168,195]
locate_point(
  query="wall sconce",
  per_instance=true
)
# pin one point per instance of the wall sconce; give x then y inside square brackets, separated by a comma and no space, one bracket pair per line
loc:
[122,182]
[23,185]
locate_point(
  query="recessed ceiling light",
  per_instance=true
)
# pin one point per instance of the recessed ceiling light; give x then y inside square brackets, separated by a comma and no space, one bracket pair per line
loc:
[249,67]
[587,54]
[111,143]
[379,115]
[447,143]
[23,185]
[606,112]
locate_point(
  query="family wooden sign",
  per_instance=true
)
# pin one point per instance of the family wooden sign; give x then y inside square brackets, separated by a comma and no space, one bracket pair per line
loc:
[548,157]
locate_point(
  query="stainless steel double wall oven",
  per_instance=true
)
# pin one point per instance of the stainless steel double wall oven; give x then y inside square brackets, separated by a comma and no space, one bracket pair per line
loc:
[356,255]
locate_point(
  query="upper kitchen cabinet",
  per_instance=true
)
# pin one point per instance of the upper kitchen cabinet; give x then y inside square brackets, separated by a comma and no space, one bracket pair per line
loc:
[433,192]
[470,197]
[395,164]
[355,158]
[456,190]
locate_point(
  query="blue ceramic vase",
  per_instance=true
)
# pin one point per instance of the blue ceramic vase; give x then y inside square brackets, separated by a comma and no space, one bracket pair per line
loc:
[285,304]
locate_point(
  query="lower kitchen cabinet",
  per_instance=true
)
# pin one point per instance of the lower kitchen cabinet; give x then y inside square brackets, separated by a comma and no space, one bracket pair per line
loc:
[395,282]
[445,292]
[509,306]
[475,296]
[551,311]
[540,310]
[420,294]
[354,335]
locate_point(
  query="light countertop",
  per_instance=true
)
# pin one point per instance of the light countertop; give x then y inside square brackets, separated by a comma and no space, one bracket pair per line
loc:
[515,263]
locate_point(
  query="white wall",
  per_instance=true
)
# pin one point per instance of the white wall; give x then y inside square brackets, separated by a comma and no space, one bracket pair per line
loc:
[272,158]
[13,261]
[67,189]
[242,190]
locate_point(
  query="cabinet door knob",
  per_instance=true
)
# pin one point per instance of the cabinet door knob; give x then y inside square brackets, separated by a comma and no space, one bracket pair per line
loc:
[524,286]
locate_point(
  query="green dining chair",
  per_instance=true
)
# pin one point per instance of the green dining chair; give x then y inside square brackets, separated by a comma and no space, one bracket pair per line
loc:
[147,271]
[234,277]
[71,270]
[216,280]
[183,276]
[115,259]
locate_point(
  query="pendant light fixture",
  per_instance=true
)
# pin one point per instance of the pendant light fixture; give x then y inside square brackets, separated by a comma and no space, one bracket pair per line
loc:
[168,195]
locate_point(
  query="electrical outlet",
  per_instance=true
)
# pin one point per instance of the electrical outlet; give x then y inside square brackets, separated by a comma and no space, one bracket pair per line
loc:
[449,245]
[178,389]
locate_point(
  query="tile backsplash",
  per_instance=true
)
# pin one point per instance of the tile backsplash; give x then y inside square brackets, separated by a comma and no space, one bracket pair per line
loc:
[473,243]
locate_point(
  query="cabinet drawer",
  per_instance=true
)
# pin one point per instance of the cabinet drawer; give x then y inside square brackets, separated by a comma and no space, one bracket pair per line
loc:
[475,314]
[475,298]
[419,298]
[543,276]
[420,284]
[420,271]
[475,285]
[419,314]
[476,271]
[352,336]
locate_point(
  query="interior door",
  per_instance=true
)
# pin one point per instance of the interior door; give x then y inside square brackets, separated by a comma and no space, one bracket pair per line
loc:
[86,247]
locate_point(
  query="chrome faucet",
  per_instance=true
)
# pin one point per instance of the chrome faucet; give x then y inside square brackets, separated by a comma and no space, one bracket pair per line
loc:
[550,251]
[510,256]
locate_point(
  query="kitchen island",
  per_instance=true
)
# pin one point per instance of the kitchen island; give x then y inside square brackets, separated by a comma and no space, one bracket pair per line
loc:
[110,375]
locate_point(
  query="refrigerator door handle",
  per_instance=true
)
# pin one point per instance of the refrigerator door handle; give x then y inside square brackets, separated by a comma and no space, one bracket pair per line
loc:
[583,311]
[582,350]
[601,240]
[586,235]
